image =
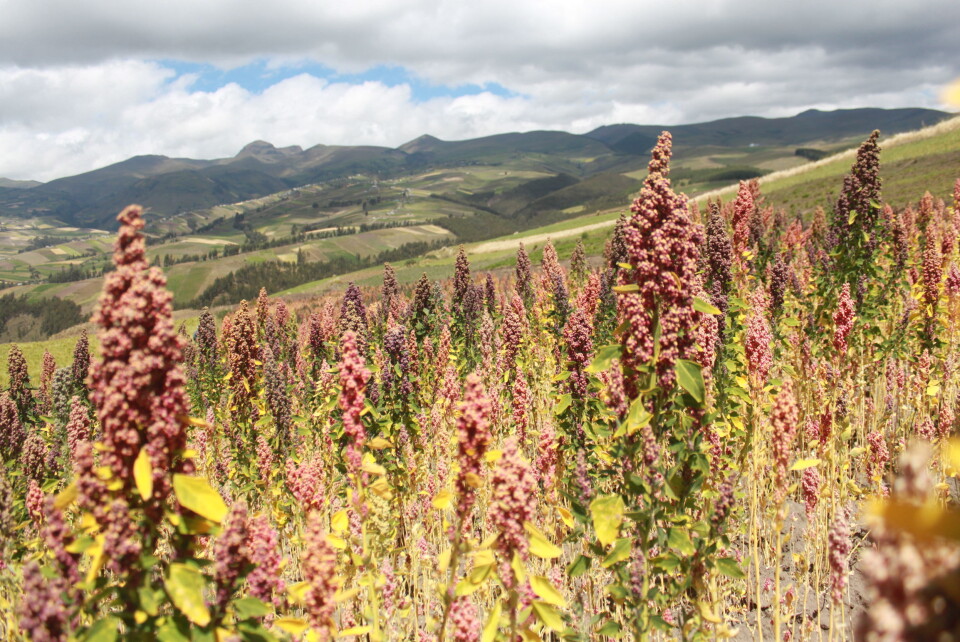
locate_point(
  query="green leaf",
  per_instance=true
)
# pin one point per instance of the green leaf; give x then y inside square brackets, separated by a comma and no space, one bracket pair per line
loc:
[605,356]
[660,624]
[791,322]
[104,630]
[253,631]
[174,631]
[579,566]
[668,562]
[607,513]
[548,615]
[195,493]
[562,404]
[729,567]
[637,416]
[680,539]
[619,552]
[150,599]
[248,607]
[610,630]
[185,586]
[702,306]
[690,378]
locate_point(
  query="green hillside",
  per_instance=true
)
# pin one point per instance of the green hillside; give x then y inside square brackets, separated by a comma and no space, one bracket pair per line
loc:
[911,164]
[348,221]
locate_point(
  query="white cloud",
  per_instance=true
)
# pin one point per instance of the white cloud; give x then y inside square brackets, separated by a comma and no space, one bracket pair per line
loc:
[77,89]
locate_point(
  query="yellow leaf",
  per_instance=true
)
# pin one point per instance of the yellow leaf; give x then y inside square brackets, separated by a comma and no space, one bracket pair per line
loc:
[474,580]
[66,497]
[607,513]
[292,625]
[443,561]
[195,493]
[96,552]
[493,456]
[143,474]
[298,591]
[952,449]
[356,630]
[381,488]
[566,516]
[379,443]
[88,522]
[483,557]
[185,587]
[343,596]
[196,421]
[493,623]
[517,565]
[548,615]
[539,545]
[473,480]
[336,542]
[339,521]
[545,590]
[924,522]
[706,612]
[803,464]
[443,500]
[373,468]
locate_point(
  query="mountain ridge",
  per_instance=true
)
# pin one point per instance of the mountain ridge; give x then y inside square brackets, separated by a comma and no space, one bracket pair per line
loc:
[167,186]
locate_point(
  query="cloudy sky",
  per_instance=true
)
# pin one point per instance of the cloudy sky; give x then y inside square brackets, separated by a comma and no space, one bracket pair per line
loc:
[85,84]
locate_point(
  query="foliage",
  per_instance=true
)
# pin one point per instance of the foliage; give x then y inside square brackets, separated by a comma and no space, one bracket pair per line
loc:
[677,444]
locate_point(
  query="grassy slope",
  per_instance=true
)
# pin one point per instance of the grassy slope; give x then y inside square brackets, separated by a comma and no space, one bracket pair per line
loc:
[189,279]
[910,164]
[61,347]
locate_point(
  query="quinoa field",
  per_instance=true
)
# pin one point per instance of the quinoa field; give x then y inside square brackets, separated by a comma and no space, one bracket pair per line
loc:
[739,422]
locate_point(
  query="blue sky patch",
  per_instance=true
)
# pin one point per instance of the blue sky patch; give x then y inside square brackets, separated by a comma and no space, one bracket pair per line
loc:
[259,76]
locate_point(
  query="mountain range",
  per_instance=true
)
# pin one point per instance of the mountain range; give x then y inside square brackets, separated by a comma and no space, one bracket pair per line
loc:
[167,186]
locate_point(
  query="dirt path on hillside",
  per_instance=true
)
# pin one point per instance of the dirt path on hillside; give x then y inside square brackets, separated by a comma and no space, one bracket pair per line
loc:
[509,244]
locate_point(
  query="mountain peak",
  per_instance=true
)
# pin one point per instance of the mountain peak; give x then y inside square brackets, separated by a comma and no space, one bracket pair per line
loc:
[18,184]
[425,143]
[256,146]
[262,150]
